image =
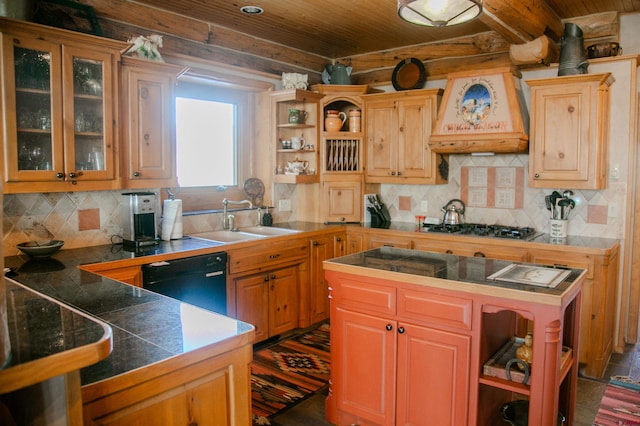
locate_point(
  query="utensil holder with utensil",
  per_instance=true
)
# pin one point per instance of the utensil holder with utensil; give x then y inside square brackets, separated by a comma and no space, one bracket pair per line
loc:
[558,228]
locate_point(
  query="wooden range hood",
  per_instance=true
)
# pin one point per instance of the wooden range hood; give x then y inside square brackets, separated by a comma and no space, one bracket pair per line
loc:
[482,112]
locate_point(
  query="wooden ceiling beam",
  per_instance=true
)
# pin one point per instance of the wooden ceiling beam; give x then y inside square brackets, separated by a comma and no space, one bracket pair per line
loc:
[438,69]
[237,44]
[484,43]
[521,21]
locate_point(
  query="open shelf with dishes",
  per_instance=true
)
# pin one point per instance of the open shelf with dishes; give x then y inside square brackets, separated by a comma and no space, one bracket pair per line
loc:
[296,135]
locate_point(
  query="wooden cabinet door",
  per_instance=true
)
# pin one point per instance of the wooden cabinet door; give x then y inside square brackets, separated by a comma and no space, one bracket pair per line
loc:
[252,302]
[569,132]
[342,200]
[60,116]
[148,130]
[128,274]
[374,241]
[322,248]
[414,156]
[355,242]
[381,130]
[433,380]
[365,365]
[481,249]
[283,300]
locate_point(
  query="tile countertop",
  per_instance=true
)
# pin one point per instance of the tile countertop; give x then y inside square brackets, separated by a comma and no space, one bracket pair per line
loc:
[147,327]
[541,239]
[42,339]
[451,272]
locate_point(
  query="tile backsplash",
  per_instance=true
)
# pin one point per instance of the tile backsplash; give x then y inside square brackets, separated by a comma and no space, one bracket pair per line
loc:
[94,218]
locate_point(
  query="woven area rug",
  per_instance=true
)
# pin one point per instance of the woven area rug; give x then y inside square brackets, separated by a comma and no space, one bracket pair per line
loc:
[620,404]
[288,372]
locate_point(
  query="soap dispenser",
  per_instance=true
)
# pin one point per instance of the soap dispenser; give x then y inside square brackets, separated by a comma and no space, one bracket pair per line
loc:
[267,219]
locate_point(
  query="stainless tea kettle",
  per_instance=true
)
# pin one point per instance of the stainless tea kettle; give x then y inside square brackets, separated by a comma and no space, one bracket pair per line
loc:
[452,214]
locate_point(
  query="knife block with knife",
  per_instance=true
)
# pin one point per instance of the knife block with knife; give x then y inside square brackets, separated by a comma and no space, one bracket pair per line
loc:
[380,217]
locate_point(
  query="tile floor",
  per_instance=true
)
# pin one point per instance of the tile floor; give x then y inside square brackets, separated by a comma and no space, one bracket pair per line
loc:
[311,411]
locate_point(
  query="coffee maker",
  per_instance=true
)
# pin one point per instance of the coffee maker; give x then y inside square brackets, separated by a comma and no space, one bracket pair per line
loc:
[139,220]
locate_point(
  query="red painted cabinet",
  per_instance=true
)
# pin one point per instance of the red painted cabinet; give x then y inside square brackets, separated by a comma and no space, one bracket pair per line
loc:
[390,371]
[432,375]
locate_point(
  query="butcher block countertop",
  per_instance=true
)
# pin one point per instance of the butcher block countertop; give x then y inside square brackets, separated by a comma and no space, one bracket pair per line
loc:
[450,272]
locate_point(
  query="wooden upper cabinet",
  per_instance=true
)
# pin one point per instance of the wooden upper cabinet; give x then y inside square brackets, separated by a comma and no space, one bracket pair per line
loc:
[568,144]
[59,109]
[148,130]
[398,127]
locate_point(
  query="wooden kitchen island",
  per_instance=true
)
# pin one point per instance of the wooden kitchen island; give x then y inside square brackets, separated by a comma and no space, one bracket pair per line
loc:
[413,335]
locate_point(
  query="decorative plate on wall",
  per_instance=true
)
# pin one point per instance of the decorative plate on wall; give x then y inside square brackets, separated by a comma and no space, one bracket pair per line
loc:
[409,74]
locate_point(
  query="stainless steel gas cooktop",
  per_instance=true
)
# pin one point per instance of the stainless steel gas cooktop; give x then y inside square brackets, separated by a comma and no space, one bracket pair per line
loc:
[484,230]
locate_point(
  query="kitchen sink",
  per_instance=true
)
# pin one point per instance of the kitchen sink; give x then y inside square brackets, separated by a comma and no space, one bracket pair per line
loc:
[225,236]
[268,230]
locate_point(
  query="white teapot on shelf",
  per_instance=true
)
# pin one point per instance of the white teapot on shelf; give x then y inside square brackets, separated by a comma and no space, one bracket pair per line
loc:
[297,167]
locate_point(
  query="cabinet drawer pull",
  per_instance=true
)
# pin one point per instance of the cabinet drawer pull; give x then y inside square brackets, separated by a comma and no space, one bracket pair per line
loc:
[389,327]
[400,330]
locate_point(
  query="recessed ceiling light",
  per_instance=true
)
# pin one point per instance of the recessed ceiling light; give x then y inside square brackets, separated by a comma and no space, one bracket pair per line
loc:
[251,10]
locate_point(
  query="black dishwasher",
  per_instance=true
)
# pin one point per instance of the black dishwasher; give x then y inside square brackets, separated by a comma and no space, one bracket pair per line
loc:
[198,280]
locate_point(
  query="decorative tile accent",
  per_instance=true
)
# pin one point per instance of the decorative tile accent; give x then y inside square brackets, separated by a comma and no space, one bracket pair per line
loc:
[597,214]
[404,203]
[496,187]
[88,219]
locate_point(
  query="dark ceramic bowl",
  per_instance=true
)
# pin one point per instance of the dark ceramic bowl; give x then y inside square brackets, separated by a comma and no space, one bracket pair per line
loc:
[602,50]
[40,249]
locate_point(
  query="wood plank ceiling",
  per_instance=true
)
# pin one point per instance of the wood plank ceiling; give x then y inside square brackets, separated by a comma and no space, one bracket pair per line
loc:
[367,34]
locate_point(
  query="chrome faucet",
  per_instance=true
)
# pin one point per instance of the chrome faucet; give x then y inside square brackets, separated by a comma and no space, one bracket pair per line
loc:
[225,216]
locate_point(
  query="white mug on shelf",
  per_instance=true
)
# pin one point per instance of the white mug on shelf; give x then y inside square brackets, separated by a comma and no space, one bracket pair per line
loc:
[297,142]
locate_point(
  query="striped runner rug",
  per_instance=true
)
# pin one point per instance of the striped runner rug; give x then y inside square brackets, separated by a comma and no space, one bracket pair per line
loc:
[288,372]
[620,405]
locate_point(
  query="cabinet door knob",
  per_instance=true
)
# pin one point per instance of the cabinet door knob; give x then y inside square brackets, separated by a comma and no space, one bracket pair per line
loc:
[338,239]
[537,175]
[449,251]
[136,174]
[315,243]
[389,327]
[59,175]
[400,330]
[72,175]
[399,173]
[266,278]
[273,276]
[479,254]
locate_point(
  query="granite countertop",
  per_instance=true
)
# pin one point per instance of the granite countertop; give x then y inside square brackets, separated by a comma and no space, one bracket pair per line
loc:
[41,339]
[147,327]
[448,272]
[539,240]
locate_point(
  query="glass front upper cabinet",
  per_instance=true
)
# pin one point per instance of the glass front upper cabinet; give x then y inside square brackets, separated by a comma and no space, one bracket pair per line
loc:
[62,126]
